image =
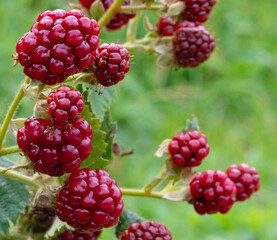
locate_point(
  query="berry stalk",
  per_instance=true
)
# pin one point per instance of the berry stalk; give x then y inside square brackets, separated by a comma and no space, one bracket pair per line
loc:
[9,150]
[142,7]
[20,177]
[140,193]
[110,13]
[11,111]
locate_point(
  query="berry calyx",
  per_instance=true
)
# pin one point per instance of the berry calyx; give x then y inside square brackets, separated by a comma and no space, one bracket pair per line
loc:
[212,192]
[89,200]
[118,20]
[188,149]
[246,178]
[58,45]
[65,104]
[112,63]
[198,10]
[192,46]
[77,235]
[146,230]
[53,149]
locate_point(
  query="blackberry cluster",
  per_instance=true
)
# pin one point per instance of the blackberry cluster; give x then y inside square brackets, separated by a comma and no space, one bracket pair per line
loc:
[212,192]
[146,230]
[65,104]
[58,45]
[118,20]
[192,46]
[112,63]
[246,178]
[188,149]
[55,150]
[198,10]
[167,27]
[77,235]
[89,200]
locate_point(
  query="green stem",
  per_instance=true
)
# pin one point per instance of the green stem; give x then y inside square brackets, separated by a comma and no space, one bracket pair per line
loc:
[110,13]
[143,7]
[11,111]
[140,193]
[132,28]
[137,47]
[9,150]
[20,177]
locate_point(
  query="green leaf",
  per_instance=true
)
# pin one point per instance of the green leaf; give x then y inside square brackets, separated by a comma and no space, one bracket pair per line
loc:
[100,102]
[95,159]
[109,127]
[57,227]
[126,219]
[191,125]
[13,199]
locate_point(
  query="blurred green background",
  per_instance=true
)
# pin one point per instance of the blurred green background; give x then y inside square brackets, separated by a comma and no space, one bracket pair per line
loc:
[234,95]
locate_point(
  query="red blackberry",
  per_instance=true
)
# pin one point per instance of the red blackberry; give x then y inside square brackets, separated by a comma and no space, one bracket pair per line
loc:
[246,178]
[212,192]
[118,20]
[167,27]
[112,63]
[146,230]
[65,104]
[58,45]
[198,10]
[188,149]
[89,200]
[76,235]
[55,150]
[192,46]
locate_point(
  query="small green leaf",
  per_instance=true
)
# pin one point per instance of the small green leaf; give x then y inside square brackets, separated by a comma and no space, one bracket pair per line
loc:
[95,159]
[126,219]
[109,127]
[13,199]
[97,9]
[57,227]
[191,125]
[100,102]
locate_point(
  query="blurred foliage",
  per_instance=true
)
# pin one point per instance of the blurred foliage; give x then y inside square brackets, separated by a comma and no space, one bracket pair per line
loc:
[233,95]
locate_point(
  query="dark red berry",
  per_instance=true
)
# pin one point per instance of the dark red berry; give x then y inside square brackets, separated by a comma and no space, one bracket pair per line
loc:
[188,149]
[65,104]
[58,45]
[76,235]
[145,231]
[118,20]
[246,178]
[212,192]
[198,10]
[167,27]
[112,63]
[192,46]
[89,200]
[55,150]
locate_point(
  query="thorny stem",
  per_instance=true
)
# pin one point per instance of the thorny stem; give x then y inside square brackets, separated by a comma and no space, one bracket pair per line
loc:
[9,150]
[11,111]
[140,193]
[110,13]
[20,177]
[142,7]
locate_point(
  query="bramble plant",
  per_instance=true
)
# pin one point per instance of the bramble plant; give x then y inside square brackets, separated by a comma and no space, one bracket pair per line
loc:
[63,190]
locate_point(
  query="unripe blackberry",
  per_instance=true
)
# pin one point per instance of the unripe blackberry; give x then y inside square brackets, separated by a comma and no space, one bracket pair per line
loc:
[192,46]
[58,45]
[212,192]
[198,10]
[118,20]
[65,104]
[89,200]
[167,27]
[55,150]
[188,149]
[76,235]
[146,230]
[246,178]
[112,63]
